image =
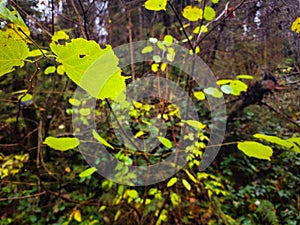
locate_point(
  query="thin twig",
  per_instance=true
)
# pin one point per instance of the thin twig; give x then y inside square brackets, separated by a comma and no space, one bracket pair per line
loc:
[23,197]
[280,113]
[181,25]
[79,20]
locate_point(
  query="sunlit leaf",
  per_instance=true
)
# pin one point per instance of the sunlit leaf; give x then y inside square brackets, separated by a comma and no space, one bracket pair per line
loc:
[59,35]
[92,68]
[209,13]
[13,16]
[13,52]
[61,144]
[221,82]
[101,140]
[132,194]
[186,184]
[194,123]
[87,172]
[191,176]
[289,144]
[199,95]
[237,87]
[166,142]
[147,49]
[77,215]
[161,46]
[192,13]
[244,76]
[154,67]
[175,199]
[168,40]
[202,29]
[172,181]
[156,5]
[156,58]
[296,25]
[50,69]
[74,101]
[255,149]
[215,92]
[84,111]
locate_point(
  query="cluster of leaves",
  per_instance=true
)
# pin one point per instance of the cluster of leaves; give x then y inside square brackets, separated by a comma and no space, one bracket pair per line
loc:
[190,196]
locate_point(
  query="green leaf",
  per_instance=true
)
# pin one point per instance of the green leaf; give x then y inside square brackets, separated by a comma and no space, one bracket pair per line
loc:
[13,16]
[215,1]
[199,95]
[175,199]
[49,69]
[61,144]
[244,76]
[209,13]
[87,172]
[92,68]
[161,46]
[84,111]
[172,181]
[255,149]
[101,140]
[194,123]
[132,194]
[13,52]
[156,5]
[166,142]
[156,58]
[199,29]
[25,98]
[147,49]
[186,184]
[192,13]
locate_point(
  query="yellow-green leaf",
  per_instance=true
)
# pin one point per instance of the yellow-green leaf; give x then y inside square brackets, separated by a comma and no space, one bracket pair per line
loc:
[209,13]
[13,52]
[61,144]
[147,49]
[255,149]
[194,123]
[186,184]
[215,92]
[156,5]
[132,194]
[60,35]
[172,181]
[101,140]
[49,69]
[87,172]
[92,68]
[192,13]
[168,40]
[166,142]
[244,76]
[74,101]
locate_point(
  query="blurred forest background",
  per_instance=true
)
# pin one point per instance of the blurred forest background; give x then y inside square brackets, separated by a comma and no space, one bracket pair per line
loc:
[45,188]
